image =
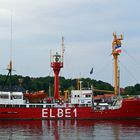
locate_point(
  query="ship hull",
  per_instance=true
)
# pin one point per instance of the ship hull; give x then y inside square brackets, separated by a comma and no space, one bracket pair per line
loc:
[130,109]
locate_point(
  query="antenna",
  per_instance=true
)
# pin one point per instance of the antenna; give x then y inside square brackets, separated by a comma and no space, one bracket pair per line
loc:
[11,39]
[50,56]
[9,66]
[63,47]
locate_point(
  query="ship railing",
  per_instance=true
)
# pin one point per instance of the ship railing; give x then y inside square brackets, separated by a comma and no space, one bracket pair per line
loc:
[39,105]
[56,105]
[27,105]
[116,104]
[74,105]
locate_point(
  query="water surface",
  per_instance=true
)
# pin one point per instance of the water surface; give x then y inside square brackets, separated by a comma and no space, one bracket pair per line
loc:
[69,130]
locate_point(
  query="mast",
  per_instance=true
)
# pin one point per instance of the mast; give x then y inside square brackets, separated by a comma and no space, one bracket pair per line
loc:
[57,64]
[116,50]
[9,66]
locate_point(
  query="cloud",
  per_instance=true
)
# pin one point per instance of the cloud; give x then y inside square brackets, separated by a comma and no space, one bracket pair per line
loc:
[87,26]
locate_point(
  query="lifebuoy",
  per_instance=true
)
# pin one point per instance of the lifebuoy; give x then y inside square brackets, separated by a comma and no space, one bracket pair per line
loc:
[60,101]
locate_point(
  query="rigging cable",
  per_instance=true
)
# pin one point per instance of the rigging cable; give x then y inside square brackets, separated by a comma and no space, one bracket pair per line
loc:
[126,69]
[136,62]
[105,66]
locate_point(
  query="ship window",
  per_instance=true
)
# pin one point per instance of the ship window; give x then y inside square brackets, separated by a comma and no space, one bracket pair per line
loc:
[4,96]
[17,97]
[88,96]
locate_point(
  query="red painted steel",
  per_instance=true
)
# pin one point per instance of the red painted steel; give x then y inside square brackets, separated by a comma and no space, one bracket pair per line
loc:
[56,68]
[130,110]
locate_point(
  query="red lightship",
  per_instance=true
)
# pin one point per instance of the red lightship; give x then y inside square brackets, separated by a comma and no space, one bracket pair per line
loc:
[79,105]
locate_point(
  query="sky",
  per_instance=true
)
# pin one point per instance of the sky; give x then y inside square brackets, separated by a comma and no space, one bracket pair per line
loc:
[87,27]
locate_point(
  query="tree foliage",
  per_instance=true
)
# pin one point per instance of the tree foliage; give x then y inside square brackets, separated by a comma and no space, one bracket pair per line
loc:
[133,90]
[47,83]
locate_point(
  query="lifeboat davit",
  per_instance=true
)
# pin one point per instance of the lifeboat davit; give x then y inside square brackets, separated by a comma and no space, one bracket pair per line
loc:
[35,97]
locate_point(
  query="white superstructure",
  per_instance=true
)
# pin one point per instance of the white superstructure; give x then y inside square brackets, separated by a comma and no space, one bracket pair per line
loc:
[11,97]
[81,97]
